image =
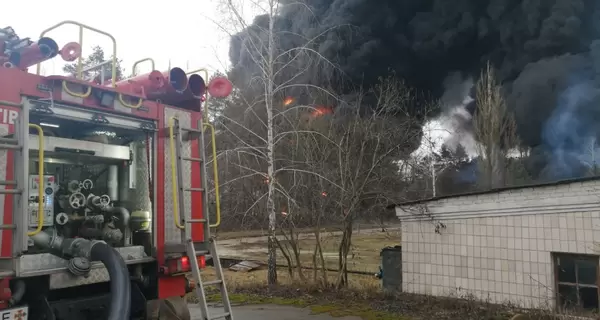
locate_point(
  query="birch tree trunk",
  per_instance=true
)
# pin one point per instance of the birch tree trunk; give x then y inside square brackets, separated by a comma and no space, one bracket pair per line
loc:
[272,246]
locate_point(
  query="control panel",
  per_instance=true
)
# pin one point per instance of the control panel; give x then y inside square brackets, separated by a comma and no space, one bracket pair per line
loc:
[49,188]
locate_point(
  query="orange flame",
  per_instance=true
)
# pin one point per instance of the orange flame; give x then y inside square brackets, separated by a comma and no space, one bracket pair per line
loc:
[287,101]
[321,111]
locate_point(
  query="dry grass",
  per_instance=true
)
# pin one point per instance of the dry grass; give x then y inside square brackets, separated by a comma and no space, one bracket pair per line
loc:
[226,235]
[364,256]
[258,278]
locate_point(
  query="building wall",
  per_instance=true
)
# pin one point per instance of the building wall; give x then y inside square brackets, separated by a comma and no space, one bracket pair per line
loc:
[498,246]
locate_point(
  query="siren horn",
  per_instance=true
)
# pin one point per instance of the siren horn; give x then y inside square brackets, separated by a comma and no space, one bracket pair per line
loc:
[43,50]
[220,87]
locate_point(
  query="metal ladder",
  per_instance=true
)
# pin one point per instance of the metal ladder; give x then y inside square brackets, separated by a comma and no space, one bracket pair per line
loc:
[18,186]
[176,136]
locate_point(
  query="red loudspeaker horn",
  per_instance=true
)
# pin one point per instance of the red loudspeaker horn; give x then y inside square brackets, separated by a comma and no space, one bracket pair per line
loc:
[220,87]
[44,49]
[70,51]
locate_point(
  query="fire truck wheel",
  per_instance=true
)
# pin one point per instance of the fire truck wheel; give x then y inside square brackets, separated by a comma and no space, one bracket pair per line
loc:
[174,308]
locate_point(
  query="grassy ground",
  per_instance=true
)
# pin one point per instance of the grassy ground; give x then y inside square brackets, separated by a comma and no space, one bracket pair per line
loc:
[364,255]
[237,280]
[362,298]
[248,288]
[226,235]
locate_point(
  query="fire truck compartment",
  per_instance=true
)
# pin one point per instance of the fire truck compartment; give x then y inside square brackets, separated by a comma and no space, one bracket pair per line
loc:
[95,185]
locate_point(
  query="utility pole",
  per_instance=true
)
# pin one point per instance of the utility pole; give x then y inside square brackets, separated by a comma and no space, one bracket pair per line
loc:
[433,177]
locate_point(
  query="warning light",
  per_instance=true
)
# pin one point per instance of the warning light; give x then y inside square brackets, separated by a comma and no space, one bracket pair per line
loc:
[185,264]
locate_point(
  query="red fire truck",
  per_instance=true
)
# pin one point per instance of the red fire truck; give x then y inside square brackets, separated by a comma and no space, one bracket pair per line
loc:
[103,211]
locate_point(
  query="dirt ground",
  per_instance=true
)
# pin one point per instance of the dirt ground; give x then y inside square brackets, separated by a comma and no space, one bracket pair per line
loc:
[364,257]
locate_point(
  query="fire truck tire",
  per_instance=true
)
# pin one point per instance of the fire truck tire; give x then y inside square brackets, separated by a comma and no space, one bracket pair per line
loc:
[173,308]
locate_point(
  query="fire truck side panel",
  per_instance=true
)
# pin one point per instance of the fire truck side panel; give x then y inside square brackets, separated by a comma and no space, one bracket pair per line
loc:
[172,233]
[171,287]
[169,233]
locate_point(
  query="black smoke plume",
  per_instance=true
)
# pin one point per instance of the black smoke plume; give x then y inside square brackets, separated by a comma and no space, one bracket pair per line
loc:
[545,52]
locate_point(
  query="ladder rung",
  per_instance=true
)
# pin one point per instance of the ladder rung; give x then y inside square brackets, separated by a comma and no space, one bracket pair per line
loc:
[194,189]
[191,159]
[10,146]
[8,226]
[213,282]
[201,253]
[9,140]
[10,191]
[219,316]
[195,221]
[8,183]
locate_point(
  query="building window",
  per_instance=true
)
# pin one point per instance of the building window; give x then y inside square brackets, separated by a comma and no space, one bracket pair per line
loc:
[576,281]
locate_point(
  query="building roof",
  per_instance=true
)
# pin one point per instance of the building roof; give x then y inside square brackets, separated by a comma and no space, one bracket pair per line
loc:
[496,190]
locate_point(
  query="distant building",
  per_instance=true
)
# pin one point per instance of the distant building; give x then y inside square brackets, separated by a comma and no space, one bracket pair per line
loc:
[535,246]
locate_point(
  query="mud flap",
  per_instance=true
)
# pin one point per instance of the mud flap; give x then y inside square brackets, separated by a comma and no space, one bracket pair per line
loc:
[173,308]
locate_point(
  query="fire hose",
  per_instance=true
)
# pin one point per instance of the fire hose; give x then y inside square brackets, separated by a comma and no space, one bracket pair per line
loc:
[67,248]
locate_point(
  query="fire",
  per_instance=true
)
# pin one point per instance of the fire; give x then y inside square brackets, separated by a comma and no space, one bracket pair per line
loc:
[287,101]
[321,111]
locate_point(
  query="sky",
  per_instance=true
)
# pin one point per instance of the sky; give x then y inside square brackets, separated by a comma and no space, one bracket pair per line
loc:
[190,34]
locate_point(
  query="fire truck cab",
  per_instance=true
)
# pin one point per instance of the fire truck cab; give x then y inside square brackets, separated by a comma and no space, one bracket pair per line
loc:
[103,210]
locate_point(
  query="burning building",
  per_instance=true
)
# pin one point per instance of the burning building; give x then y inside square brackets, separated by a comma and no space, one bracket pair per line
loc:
[547,55]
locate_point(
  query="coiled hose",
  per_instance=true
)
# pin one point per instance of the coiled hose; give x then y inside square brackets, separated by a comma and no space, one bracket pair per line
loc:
[120,287]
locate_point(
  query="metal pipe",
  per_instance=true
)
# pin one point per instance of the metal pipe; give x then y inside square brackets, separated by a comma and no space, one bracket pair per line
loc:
[43,50]
[113,182]
[151,82]
[123,183]
[47,239]
[122,213]
[120,286]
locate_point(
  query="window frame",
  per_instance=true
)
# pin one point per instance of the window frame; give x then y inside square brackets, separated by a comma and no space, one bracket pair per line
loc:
[574,257]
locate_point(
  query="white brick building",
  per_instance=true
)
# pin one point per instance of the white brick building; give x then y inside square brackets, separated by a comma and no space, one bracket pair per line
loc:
[523,245]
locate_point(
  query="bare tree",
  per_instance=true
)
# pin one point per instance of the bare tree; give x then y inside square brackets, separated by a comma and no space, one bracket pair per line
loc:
[365,142]
[301,152]
[274,72]
[495,130]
